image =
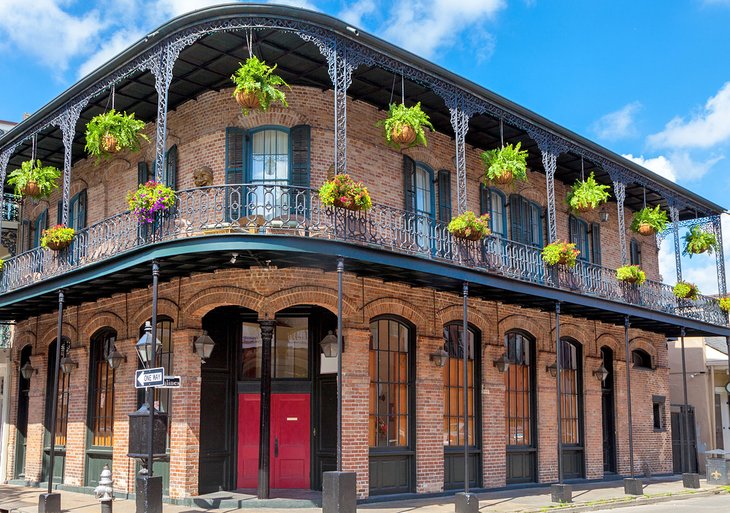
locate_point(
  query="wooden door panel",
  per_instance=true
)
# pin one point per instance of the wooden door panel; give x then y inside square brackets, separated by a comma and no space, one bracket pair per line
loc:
[290,441]
[249,412]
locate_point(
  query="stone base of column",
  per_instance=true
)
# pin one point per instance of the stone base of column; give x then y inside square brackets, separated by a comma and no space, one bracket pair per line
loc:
[561,493]
[339,492]
[691,480]
[49,503]
[467,503]
[149,494]
[633,486]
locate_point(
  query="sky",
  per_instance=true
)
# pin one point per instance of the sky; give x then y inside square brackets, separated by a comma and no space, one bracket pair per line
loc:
[647,79]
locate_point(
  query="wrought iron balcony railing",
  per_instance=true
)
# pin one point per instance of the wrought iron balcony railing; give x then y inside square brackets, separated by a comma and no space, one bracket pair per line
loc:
[11,207]
[271,210]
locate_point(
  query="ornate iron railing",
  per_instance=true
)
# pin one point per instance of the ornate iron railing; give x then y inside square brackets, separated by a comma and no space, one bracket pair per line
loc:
[272,210]
[11,207]
[6,336]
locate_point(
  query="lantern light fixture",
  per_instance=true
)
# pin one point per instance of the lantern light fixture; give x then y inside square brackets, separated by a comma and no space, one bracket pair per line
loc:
[204,345]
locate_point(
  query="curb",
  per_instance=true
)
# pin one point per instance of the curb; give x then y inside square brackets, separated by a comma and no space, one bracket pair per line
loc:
[617,503]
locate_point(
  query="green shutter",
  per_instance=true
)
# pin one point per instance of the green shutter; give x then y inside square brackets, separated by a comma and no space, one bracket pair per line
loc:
[142,173]
[635,252]
[59,213]
[485,201]
[515,218]
[300,136]
[535,234]
[444,184]
[596,243]
[234,155]
[409,182]
[170,178]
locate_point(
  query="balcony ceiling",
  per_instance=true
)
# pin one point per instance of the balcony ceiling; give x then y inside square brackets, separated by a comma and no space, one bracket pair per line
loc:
[208,63]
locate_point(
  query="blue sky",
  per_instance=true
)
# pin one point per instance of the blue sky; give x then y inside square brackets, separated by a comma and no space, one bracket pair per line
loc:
[647,79]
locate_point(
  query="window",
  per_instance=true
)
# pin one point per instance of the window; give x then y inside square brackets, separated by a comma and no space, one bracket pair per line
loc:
[571,392]
[444,191]
[101,391]
[525,221]
[76,211]
[453,375]
[146,173]
[493,202]
[390,384]
[519,386]
[290,351]
[587,239]
[641,359]
[657,402]
[62,397]
[40,224]
[635,252]
[419,198]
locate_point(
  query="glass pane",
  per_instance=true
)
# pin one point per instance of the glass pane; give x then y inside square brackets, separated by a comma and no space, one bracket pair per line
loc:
[251,349]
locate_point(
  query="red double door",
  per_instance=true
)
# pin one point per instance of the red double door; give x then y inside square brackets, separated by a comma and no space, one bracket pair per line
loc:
[290,443]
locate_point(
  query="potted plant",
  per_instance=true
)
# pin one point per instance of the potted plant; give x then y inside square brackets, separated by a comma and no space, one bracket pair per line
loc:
[344,192]
[587,195]
[257,86]
[686,290]
[506,164]
[560,253]
[470,227]
[724,304]
[404,125]
[649,221]
[113,131]
[631,274]
[2,264]
[149,200]
[57,237]
[699,241]
[34,180]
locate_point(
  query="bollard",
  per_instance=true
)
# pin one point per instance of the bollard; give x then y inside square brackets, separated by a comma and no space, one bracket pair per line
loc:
[105,491]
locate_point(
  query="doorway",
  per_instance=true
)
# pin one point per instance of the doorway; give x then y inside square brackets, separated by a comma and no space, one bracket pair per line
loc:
[22,421]
[608,414]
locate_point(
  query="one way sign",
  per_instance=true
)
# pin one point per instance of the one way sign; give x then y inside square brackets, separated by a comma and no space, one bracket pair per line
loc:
[149,377]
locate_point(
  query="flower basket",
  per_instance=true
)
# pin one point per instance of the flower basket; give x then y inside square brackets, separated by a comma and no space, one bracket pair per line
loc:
[343,192]
[698,241]
[110,132]
[110,143]
[58,237]
[468,226]
[247,100]
[404,126]
[257,86]
[34,180]
[149,200]
[649,221]
[560,253]
[506,177]
[645,229]
[586,195]
[31,189]
[631,274]
[723,301]
[505,165]
[403,135]
[686,290]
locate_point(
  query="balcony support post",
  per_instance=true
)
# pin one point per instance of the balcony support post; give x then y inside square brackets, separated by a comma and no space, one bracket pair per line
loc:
[67,123]
[340,69]
[550,147]
[619,190]
[674,216]
[719,256]
[4,159]
[460,124]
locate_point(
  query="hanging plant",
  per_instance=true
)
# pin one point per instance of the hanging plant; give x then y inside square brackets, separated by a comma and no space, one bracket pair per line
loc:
[724,304]
[505,165]
[58,237]
[470,227]
[686,290]
[149,200]
[34,180]
[631,274]
[344,192]
[560,253]
[587,195]
[2,265]
[404,126]
[257,86]
[699,241]
[649,221]
[113,131]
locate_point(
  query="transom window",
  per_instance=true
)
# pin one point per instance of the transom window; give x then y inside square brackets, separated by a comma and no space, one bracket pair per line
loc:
[641,359]
[453,375]
[519,387]
[290,349]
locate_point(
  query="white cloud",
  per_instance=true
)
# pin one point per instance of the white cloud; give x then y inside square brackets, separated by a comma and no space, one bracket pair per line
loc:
[303,4]
[618,124]
[44,30]
[677,165]
[108,49]
[354,13]
[172,8]
[708,128]
[424,27]
[661,165]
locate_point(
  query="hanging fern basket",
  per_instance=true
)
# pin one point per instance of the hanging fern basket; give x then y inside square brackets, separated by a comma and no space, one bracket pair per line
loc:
[646,229]
[504,178]
[403,134]
[584,208]
[31,189]
[247,100]
[109,143]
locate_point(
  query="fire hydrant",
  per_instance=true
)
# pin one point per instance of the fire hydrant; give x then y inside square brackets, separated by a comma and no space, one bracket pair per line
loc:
[105,491]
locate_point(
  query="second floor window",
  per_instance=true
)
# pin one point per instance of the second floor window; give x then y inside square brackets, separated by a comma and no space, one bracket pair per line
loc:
[40,224]
[494,203]
[635,253]
[145,172]
[76,211]
[525,221]
[587,239]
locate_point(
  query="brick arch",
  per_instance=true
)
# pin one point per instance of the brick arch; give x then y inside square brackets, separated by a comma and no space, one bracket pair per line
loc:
[307,295]
[275,116]
[456,313]
[77,185]
[400,308]
[524,323]
[165,306]
[104,319]
[209,299]
[25,338]
[646,345]
[423,155]
[37,209]
[50,334]
[611,341]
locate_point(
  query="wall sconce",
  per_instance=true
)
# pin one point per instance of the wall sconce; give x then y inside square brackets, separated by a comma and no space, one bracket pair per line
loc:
[603,215]
[67,364]
[553,369]
[439,357]
[203,345]
[329,345]
[502,363]
[28,370]
[115,359]
[601,373]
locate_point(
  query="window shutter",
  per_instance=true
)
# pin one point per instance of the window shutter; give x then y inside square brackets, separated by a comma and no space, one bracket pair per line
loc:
[444,184]
[573,230]
[535,224]
[142,173]
[170,178]
[409,180]
[234,155]
[485,201]
[635,252]
[515,218]
[59,213]
[596,243]
[81,211]
[300,147]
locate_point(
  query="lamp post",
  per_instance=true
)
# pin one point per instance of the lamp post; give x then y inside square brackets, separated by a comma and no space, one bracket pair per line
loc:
[560,492]
[632,485]
[690,479]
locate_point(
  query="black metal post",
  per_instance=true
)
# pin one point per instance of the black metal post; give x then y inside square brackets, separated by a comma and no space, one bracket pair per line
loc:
[558,388]
[465,346]
[54,399]
[690,478]
[267,333]
[627,324]
[340,270]
[727,343]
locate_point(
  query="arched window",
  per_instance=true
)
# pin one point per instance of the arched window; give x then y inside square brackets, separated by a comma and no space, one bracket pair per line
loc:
[494,202]
[571,402]
[101,389]
[519,406]
[641,359]
[62,397]
[22,420]
[453,374]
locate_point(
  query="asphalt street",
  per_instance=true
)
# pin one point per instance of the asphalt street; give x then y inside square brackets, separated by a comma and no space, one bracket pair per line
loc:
[708,504]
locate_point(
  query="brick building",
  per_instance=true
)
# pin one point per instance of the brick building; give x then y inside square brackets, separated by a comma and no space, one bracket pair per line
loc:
[249,255]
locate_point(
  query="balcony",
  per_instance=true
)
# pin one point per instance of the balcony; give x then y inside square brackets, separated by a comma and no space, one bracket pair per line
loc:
[278,211]
[11,207]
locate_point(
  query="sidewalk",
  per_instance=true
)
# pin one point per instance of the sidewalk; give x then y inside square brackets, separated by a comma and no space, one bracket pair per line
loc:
[586,497]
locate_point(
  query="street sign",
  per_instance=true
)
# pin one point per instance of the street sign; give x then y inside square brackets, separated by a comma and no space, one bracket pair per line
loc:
[144,378]
[170,382]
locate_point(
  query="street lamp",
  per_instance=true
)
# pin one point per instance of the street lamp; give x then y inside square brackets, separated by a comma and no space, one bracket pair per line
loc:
[329,345]
[144,346]
[502,363]
[439,357]
[67,364]
[115,359]
[553,368]
[203,345]
[28,370]
[601,373]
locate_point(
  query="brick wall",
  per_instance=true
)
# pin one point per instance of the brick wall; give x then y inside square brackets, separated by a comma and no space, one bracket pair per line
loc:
[267,291]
